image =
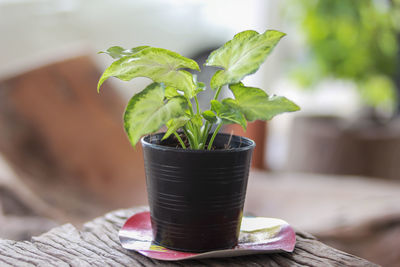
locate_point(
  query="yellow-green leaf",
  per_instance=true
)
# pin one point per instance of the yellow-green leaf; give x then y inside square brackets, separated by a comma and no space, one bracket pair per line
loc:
[174,124]
[147,112]
[228,114]
[241,56]
[117,52]
[160,65]
[255,104]
[171,92]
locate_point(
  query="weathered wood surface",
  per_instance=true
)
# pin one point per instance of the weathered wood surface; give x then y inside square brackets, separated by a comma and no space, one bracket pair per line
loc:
[97,244]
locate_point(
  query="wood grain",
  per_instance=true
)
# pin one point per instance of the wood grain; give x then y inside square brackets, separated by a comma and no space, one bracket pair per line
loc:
[97,244]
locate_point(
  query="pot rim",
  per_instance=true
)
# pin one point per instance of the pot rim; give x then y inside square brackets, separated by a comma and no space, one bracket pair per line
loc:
[250,145]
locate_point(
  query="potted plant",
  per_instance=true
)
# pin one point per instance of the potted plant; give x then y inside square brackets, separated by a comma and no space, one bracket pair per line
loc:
[196,179]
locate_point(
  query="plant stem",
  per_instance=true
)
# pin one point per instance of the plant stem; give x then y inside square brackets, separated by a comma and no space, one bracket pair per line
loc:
[190,108]
[217,93]
[197,104]
[204,134]
[189,136]
[213,136]
[192,130]
[180,140]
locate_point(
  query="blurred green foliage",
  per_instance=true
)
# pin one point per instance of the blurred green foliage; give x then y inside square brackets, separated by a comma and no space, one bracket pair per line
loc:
[356,40]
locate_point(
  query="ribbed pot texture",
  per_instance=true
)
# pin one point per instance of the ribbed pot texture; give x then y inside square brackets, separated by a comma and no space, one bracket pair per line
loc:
[196,197]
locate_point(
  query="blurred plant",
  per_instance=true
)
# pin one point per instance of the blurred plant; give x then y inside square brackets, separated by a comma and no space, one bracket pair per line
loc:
[354,40]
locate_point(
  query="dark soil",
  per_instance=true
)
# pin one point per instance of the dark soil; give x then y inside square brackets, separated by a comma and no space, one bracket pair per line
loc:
[172,141]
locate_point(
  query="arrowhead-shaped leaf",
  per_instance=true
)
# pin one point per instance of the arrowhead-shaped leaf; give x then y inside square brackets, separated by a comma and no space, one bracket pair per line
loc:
[228,114]
[147,112]
[117,52]
[255,104]
[241,56]
[174,124]
[160,65]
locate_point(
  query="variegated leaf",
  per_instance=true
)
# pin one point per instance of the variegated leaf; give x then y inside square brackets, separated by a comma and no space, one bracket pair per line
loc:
[158,64]
[228,114]
[171,92]
[256,104]
[117,52]
[174,124]
[241,56]
[147,112]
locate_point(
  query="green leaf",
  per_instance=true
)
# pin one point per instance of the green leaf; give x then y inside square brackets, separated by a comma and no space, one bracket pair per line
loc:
[117,52]
[228,114]
[147,112]
[241,56]
[255,104]
[158,64]
[200,87]
[209,116]
[174,124]
[171,92]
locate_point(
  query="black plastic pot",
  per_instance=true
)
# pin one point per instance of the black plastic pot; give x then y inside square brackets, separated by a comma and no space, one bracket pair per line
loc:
[196,197]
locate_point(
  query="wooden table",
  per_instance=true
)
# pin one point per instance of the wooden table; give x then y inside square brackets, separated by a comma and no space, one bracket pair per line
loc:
[97,244]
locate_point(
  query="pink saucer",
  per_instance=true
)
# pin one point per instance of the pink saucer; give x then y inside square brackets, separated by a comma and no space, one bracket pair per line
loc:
[258,235]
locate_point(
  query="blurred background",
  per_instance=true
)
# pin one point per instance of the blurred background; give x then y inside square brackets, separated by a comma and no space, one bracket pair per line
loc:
[332,169]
